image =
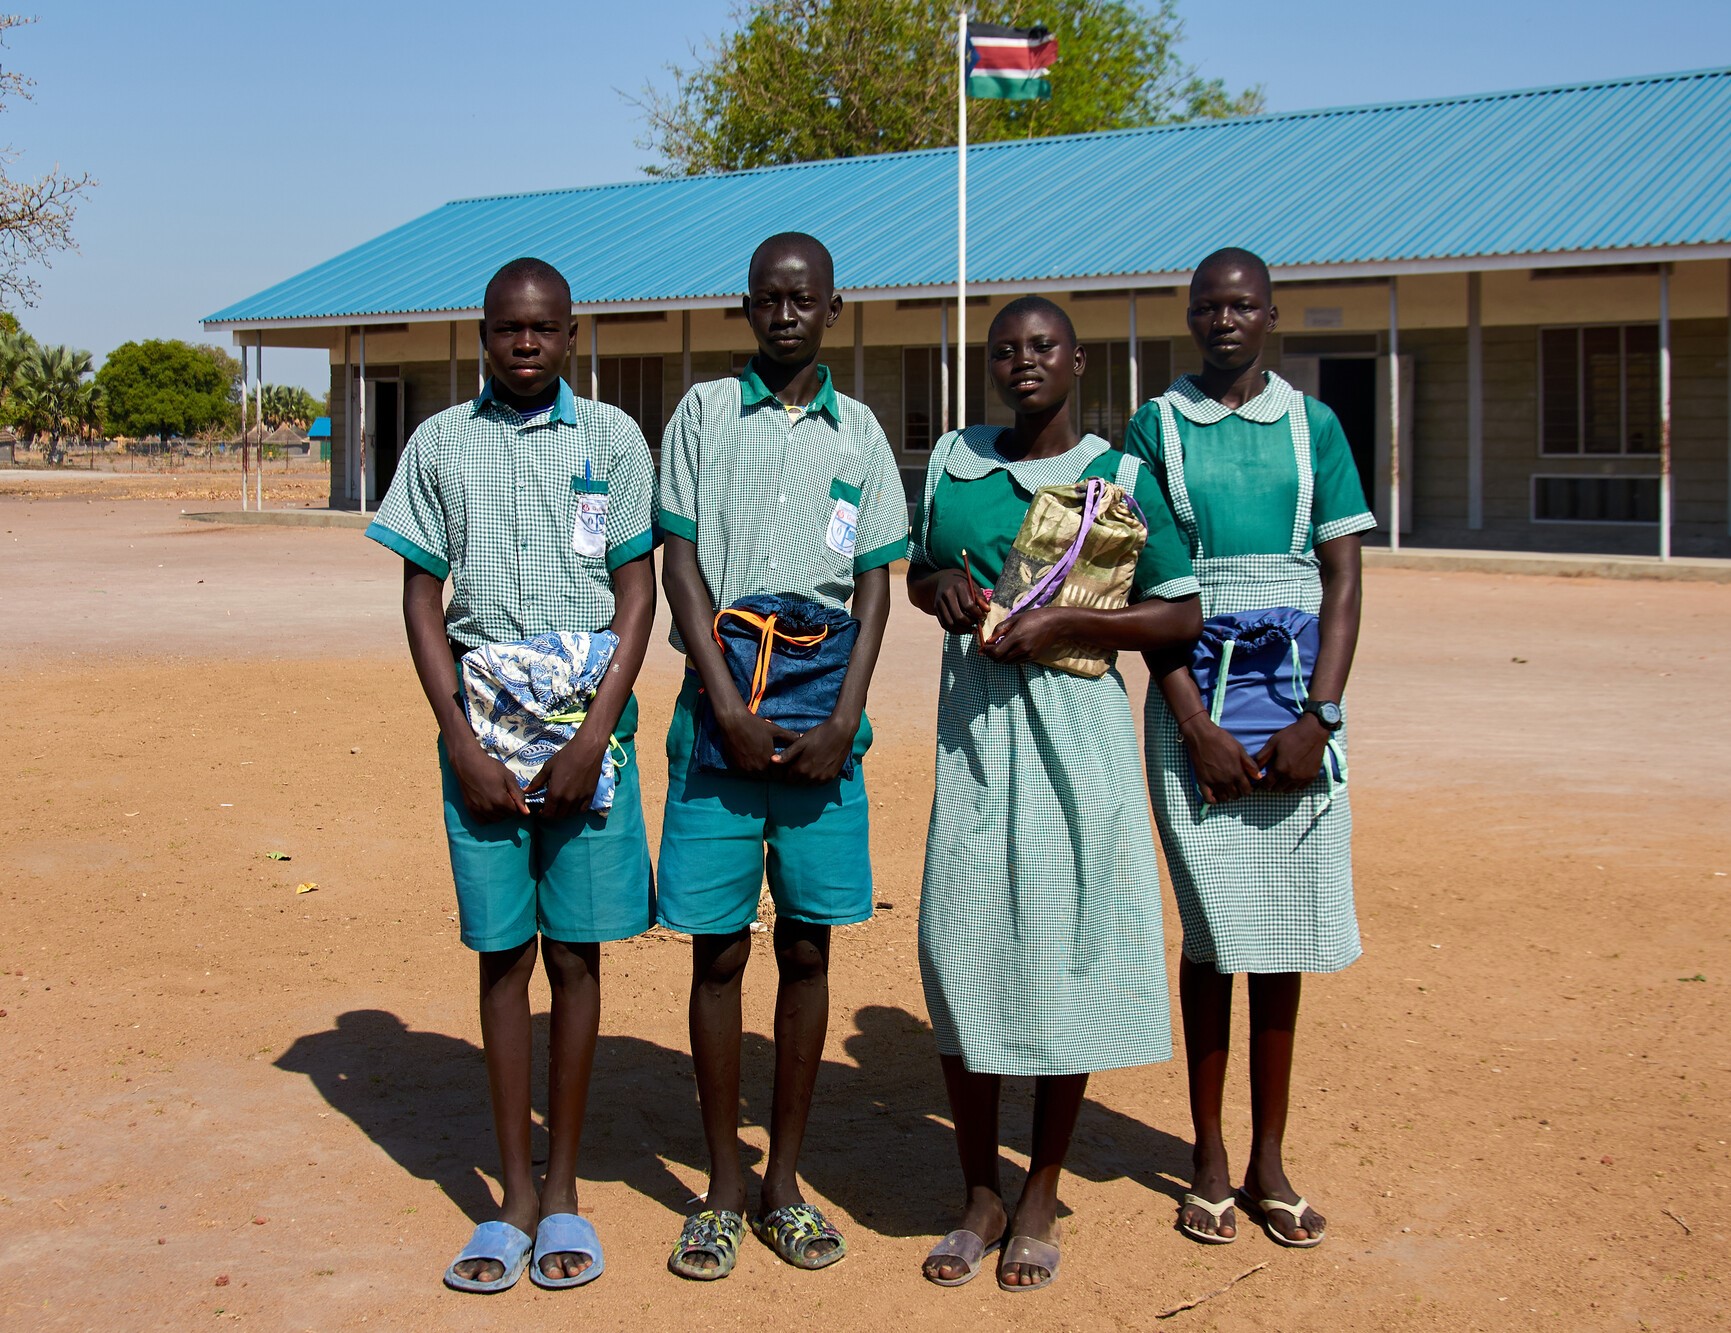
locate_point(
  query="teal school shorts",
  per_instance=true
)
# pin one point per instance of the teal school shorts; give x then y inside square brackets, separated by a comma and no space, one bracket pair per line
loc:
[579,880]
[717,829]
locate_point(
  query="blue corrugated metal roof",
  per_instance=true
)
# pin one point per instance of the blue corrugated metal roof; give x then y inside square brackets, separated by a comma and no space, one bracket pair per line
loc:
[1633,163]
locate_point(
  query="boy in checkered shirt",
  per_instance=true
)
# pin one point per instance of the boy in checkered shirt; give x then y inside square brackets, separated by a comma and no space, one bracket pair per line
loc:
[772,483]
[537,505]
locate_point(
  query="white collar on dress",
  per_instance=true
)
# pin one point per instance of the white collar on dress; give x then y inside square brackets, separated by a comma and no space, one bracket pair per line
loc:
[1269,406]
[975,455]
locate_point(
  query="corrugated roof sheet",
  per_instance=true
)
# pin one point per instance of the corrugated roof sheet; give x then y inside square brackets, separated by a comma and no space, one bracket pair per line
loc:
[1606,166]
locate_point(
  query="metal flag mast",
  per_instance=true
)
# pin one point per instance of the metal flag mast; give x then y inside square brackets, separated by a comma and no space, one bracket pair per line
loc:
[961,219]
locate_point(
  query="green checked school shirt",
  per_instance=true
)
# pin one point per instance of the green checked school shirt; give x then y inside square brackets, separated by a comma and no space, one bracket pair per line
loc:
[797,503]
[529,516]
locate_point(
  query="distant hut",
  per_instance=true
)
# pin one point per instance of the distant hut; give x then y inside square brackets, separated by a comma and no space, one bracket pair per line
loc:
[319,433]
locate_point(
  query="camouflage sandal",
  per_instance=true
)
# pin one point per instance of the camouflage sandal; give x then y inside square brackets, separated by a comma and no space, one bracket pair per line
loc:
[715,1232]
[789,1231]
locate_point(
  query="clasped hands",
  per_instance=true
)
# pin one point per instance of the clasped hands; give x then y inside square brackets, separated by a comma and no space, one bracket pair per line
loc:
[1225,770]
[960,606]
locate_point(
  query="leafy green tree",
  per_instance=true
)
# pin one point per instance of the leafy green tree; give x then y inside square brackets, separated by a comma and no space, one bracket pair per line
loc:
[168,387]
[51,393]
[808,80]
[35,215]
[289,403]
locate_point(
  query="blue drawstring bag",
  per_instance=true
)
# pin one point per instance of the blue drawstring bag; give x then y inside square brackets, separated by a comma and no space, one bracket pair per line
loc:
[1253,670]
[787,657]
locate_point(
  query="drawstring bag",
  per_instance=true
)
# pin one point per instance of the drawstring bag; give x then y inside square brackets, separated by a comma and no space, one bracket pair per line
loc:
[1078,546]
[526,700]
[787,657]
[1253,669]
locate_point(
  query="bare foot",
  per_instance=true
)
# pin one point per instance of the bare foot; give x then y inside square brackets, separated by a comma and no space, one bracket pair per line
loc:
[1209,1179]
[985,1217]
[1268,1181]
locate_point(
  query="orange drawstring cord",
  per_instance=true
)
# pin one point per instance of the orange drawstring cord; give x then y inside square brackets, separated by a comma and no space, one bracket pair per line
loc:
[768,633]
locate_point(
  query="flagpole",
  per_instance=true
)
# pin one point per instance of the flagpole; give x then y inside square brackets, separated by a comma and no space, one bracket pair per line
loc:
[962,219]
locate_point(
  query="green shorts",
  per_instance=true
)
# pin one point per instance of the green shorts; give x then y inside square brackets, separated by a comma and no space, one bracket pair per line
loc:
[713,841]
[577,880]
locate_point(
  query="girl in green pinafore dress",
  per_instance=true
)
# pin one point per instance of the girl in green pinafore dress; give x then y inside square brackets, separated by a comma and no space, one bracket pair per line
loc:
[1040,940]
[1262,483]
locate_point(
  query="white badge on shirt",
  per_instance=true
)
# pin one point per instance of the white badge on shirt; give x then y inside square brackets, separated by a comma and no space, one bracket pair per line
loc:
[843,530]
[589,531]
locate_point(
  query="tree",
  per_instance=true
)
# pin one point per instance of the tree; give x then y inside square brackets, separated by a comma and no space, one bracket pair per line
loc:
[168,387]
[35,215]
[51,394]
[807,80]
[289,403]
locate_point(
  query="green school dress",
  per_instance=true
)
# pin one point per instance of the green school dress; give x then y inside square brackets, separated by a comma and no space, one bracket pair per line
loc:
[1264,883]
[1040,942]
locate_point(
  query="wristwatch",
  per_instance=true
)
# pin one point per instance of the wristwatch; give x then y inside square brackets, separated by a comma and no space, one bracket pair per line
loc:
[1325,711]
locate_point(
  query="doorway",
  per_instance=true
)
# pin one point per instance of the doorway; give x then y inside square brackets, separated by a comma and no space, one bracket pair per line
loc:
[1347,387]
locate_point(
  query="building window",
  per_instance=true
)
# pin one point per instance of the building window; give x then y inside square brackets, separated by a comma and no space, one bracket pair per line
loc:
[1102,400]
[633,385]
[1599,390]
[1595,499]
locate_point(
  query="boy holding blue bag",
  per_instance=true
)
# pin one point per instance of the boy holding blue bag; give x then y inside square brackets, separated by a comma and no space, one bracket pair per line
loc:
[781,503]
[538,507]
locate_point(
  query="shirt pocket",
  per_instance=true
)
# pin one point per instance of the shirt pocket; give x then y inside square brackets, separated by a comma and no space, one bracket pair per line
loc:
[588,517]
[841,531]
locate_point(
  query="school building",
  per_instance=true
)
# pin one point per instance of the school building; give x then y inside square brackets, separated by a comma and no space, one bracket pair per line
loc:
[1518,304]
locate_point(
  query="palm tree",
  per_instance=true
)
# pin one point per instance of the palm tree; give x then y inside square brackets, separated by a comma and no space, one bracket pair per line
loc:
[49,390]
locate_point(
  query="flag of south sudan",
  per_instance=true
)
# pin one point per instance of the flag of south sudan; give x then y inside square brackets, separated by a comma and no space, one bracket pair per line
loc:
[1009,62]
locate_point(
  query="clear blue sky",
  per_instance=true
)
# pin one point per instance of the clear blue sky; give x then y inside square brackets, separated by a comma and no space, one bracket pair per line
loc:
[238,143]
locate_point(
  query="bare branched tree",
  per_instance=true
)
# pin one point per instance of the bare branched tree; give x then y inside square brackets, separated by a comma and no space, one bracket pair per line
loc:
[35,215]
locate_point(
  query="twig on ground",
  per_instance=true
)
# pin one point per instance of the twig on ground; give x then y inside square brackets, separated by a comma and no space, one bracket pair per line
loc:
[1191,1305]
[1679,1221]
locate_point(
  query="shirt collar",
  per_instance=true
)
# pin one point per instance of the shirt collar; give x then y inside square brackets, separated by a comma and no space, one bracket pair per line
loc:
[1269,406]
[752,391]
[975,455]
[564,406]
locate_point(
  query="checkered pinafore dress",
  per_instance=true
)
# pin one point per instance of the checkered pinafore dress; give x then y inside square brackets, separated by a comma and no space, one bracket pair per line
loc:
[1264,883]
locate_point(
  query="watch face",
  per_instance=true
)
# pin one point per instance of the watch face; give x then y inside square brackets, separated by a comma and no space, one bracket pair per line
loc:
[1331,714]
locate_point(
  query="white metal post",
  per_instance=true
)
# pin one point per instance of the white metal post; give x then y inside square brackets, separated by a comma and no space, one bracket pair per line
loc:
[258,481]
[361,416]
[348,418]
[1475,404]
[481,362]
[1135,364]
[961,219]
[243,411]
[685,347]
[453,402]
[944,369]
[1394,414]
[595,358]
[859,351]
[1664,412]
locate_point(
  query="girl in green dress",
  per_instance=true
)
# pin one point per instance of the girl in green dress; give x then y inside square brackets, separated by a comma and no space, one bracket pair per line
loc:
[1262,483]
[1040,941]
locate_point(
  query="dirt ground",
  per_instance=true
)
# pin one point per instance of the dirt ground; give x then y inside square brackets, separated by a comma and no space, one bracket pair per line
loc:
[1513,1109]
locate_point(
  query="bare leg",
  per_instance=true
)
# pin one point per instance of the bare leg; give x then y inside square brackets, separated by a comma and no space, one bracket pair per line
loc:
[1057,1102]
[1273,1020]
[717,968]
[506,1040]
[575,971]
[1206,998]
[801,1022]
[974,1109]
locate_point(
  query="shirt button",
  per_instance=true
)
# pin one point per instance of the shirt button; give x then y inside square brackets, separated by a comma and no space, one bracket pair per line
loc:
[524,547]
[781,499]
[772,564]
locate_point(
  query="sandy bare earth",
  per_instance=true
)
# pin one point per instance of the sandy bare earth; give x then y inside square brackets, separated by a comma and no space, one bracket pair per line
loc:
[223,1100]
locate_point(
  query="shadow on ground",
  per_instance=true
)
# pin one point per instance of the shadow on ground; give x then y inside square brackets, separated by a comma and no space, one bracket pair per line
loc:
[878,1145]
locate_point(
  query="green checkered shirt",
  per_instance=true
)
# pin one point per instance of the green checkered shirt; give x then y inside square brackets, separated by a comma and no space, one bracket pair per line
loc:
[491,499]
[792,503]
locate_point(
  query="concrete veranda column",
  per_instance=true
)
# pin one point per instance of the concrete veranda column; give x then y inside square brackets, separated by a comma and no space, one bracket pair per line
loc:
[1664,411]
[1394,414]
[1475,404]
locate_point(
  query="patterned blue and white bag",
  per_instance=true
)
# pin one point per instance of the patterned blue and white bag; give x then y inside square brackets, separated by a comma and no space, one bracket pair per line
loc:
[526,700]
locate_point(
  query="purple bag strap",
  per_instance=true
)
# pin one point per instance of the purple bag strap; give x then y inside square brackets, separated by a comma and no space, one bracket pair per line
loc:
[1047,587]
